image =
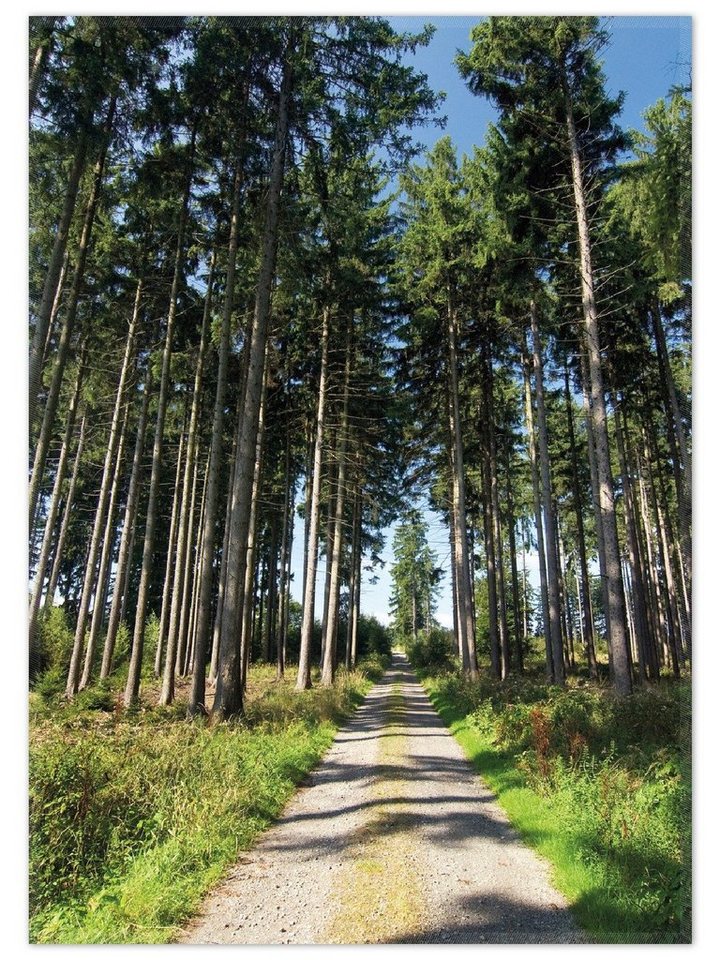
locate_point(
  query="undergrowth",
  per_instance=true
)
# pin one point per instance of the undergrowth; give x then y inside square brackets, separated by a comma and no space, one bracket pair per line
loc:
[133,818]
[599,784]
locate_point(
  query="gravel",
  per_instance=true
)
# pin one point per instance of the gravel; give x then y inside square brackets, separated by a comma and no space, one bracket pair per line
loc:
[392,839]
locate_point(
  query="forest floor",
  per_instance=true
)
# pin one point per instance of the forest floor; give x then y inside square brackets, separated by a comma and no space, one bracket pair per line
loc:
[392,839]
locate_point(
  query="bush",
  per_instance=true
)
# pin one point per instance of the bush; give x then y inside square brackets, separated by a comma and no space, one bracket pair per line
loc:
[55,643]
[435,652]
[616,772]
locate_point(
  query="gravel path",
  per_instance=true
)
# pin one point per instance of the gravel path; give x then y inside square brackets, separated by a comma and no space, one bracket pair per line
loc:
[393,839]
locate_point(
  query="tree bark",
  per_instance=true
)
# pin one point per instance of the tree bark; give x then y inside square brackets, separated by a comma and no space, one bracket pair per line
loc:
[183,547]
[228,693]
[108,546]
[532,452]
[127,536]
[132,687]
[52,278]
[53,510]
[553,574]
[331,625]
[461,559]
[617,640]
[63,348]
[105,488]
[312,517]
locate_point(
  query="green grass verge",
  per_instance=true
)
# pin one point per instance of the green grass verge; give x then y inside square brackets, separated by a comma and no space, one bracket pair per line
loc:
[133,820]
[594,824]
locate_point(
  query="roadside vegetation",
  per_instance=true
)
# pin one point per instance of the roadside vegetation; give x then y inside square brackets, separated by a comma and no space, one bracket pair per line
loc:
[135,815]
[598,784]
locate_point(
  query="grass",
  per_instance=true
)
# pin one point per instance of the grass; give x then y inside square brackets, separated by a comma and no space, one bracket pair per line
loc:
[599,787]
[134,818]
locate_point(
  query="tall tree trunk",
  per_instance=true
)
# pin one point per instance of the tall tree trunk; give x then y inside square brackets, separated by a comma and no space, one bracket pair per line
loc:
[169,560]
[183,547]
[228,694]
[617,640]
[63,348]
[71,687]
[512,545]
[312,516]
[354,573]
[52,278]
[639,599]
[53,509]
[128,528]
[553,574]
[108,548]
[333,616]
[132,687]
[285,554]
[496,523]
[461,559]
[212,494]
[64,524]
[587,628]
[532,452]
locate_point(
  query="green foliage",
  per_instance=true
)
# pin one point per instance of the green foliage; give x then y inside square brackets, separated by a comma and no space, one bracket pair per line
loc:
[132,820]
[608,777]
[374,639]
[433,652]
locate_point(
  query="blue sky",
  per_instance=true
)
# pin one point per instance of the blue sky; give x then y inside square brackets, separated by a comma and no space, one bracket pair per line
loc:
[646,55]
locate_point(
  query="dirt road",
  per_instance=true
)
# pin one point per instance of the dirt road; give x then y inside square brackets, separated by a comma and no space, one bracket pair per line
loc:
[393,839]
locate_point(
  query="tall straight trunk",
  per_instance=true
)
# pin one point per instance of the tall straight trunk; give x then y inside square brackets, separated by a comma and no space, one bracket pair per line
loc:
[114,438]
[330,482]
[193,567]
[128,529]
[496,664]
[333,616]
[594,486]
[681,461]
[108,548]
[638,596]
[270,625]
[228,693]
[132,687]
[496,522]
[212,494]
[52,278]
[182,549]
[245,625]
[512,546]
[285,554]
[222,572]
[354,550]
[65,522]
[169,560]
[553,574]
[532,453]
[312,515]
[63,348]
[461,558]
[569,643]
[586,622]
[622,672]
[53,509]
[649,567]
[52,324]
[667,541]
[664,590]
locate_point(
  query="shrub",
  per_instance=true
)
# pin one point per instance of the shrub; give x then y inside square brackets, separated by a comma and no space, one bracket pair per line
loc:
[434,652]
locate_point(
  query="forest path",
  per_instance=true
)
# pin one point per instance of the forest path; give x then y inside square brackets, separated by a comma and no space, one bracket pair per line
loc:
[393,839]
